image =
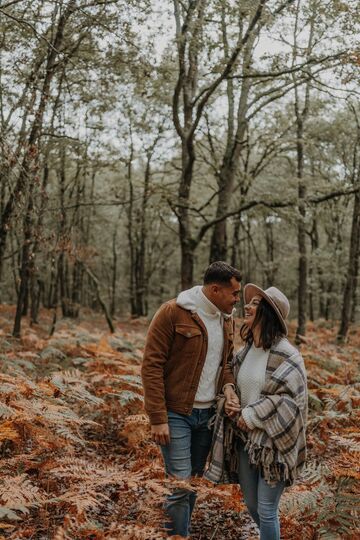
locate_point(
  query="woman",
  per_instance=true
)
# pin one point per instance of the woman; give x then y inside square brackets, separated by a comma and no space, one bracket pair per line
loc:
[265,440]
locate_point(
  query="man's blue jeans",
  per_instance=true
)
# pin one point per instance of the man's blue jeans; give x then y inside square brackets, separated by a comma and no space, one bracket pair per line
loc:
[185,456]
[261,499]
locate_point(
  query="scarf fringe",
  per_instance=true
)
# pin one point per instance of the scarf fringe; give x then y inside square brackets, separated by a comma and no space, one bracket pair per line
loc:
[278,450]
[272,468]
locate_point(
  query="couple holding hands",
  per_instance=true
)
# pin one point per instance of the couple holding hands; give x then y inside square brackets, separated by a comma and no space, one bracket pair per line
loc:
[242,416]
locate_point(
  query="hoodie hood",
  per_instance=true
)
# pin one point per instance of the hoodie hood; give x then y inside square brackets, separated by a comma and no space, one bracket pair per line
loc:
[194,299]
[190,298]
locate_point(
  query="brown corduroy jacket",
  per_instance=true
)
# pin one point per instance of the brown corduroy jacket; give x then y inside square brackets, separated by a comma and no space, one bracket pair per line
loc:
[175,352]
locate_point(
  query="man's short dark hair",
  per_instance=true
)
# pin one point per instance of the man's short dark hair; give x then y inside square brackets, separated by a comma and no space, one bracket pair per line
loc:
[220,272]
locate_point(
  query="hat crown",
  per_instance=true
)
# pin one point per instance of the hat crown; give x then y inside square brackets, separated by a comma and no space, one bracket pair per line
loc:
[280,300]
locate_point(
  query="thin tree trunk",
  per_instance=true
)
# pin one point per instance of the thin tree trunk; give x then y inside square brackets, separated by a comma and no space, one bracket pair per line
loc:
[52,296]
[14,264]
[350,283]
[2,205]
[140,267]
[130,228]
[32,151]
[95,282]
[235,248]
[67,307]
[113,273]
[303,263]
[269,267]
[354,300]
[329,300]
[25,265]
[301,116]
[36,284]
[78,224]
[314,246]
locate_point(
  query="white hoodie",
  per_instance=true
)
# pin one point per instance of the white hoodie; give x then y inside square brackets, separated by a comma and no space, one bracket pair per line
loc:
[195,300]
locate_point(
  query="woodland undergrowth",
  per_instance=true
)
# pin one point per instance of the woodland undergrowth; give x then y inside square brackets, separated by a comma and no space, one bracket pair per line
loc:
[77,460]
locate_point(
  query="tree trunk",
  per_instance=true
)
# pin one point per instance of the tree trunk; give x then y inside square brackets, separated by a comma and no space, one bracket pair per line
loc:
[186,242]
[354,300]
[314,246]
[131,229]
[77,281]
[78,223]
[36,284]
[31,147]
[52,296]
[301,116]
[113,273]
[303,263]
[103,306]
[62,286]
[187,262]
[15,261]
[236,248]
[25,265]
[2,206]
[269,267]
[230,163]
[188,108]
[36,295]
[322,293]
[140,267]
[350,283]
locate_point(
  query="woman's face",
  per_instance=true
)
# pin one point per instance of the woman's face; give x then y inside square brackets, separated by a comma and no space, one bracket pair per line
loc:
[251,309]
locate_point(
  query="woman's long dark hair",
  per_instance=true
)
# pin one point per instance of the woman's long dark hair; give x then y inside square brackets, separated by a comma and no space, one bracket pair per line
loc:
[271,328]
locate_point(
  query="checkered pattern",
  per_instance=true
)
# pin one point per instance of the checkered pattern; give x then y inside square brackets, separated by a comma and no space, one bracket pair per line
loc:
[279,449]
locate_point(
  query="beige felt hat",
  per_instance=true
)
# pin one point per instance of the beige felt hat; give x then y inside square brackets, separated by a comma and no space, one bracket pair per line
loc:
[274,297]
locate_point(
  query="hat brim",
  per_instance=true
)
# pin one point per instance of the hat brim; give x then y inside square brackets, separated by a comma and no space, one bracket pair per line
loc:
[250,290]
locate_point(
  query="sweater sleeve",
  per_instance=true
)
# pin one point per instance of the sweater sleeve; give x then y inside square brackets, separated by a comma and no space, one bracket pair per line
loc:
[159,340]
[251,419]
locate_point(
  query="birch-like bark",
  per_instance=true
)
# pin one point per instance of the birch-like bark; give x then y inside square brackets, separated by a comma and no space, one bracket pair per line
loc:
[301,114]
[349,296]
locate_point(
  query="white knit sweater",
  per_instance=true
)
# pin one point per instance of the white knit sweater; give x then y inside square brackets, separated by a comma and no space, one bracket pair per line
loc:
[195,300]
[251,379]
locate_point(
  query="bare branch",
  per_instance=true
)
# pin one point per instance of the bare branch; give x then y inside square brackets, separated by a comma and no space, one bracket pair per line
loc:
[272,204]
[206,93]
[27,23]
[11,3]
[298,67]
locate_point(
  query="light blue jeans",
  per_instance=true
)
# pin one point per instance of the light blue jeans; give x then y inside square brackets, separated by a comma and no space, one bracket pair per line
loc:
[185,456]
[261,499]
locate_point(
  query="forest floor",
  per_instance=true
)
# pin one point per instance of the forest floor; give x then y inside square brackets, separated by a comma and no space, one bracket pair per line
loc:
[78,463]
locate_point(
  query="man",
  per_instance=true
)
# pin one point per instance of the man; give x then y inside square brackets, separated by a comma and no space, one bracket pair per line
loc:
[187,357]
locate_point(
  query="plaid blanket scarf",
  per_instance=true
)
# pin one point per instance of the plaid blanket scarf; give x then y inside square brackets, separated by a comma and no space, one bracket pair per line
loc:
[279,450]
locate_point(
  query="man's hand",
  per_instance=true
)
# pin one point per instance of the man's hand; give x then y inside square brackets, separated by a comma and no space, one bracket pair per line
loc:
[160,434]
[232,405]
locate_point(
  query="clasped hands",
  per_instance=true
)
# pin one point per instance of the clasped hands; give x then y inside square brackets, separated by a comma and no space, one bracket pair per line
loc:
[232,408]
[160,433]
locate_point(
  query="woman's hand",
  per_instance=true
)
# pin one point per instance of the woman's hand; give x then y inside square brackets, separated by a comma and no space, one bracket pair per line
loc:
[241,424]
[232,405]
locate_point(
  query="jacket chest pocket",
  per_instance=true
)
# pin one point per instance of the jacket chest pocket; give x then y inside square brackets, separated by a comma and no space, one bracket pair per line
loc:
[188,338]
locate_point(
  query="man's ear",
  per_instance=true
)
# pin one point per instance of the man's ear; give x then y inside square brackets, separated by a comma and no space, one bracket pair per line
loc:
[215,288]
